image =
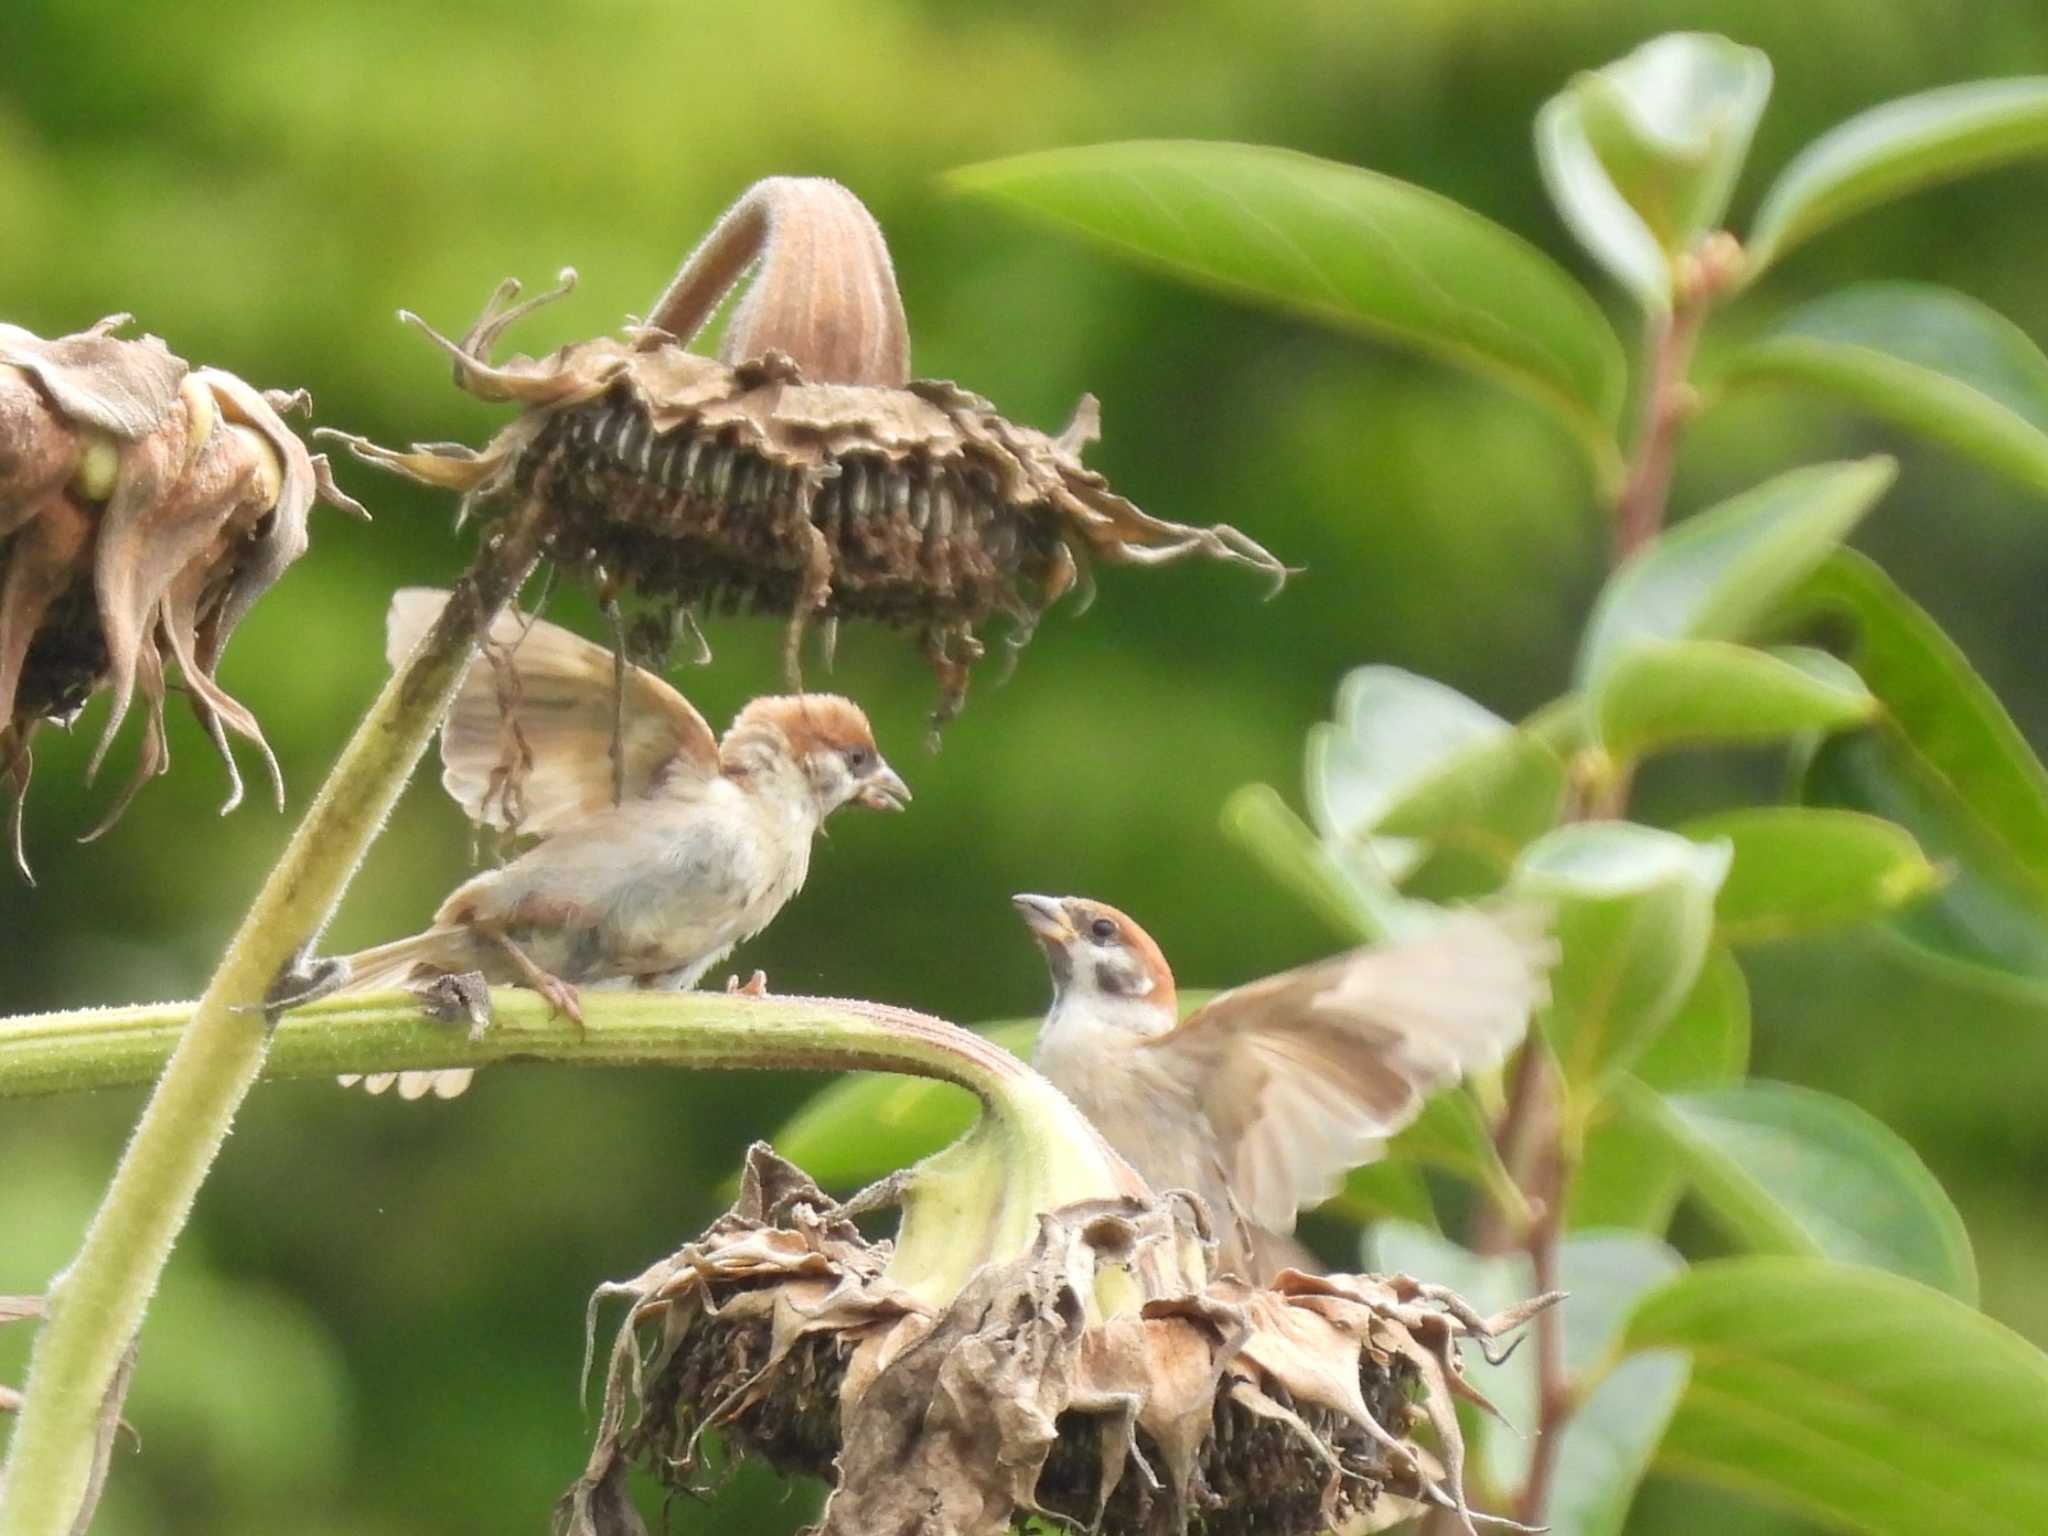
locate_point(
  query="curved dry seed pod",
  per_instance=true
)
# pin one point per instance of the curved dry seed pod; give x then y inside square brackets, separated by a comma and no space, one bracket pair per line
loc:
[797,473]
[1278,1410]
[144,506]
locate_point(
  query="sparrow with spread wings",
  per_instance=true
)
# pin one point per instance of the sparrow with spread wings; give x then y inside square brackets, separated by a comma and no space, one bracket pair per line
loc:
[659,851]
[1262,1099]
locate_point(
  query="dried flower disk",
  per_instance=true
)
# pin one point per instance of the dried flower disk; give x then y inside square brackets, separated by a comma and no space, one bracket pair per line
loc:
[144,506]
[800,472]
[1278,1411]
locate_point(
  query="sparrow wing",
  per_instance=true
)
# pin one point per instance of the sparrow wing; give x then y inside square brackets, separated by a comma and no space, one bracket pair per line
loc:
[1306,1074]
[541,692]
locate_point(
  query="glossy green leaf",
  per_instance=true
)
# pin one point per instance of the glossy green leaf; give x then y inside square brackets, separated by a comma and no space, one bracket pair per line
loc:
[1717,574]
[1659,694]
[1947,763]
[1388,1189]
[1897,148]
[1451,1134]
[864,1125]
[1861,1399]
[1784,1169]
[1350,902]
[1609,1441]
[1411,772]
[1641,156]
[1629,1176]
[1633,911]
[1800,869]
[1930,360]
[1343,246]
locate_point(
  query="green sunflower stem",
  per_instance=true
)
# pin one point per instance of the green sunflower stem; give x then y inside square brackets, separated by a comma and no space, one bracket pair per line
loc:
[95,1307]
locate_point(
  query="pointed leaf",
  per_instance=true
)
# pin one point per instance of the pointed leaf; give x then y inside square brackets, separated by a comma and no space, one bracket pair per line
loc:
[1629,1176]
[1341,891]
[1783,1169]
[1661,694]
[864,1125]
[1343,246]
[1717,574]
[1633,910]
[1914,142]
[1640,156]
[1928,359]
[1948,764]
[1412,772]
[1853,1396]
[1799,870]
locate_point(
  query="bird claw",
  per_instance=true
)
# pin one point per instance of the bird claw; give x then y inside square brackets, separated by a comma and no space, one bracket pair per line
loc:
[561,997]
[756,985]
[463,997]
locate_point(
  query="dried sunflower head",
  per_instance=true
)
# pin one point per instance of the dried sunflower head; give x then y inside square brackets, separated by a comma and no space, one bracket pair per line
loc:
[800,472]
[1282,1410]
[144,506]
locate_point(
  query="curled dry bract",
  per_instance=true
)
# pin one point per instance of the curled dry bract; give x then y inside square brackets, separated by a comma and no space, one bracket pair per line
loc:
[797,473]
[1275,1411]
[144,506]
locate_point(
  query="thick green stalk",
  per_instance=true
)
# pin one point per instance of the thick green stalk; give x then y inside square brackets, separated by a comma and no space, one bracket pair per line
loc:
[96,1305]
[978,1200]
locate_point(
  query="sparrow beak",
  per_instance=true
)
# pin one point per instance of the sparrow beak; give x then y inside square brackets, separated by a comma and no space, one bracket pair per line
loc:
[1045,916]
[884,791]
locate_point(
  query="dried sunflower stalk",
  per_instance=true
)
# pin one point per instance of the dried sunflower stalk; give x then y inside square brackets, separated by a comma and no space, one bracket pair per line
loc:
[801,471]
[144,506]
[1239,1410]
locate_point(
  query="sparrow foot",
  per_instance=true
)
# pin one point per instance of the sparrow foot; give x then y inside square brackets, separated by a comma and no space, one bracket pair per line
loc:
[561,996]
[756,985]
[463,997]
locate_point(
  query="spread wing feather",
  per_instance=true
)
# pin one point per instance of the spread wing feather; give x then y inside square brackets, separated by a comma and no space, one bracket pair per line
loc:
[560,689]
[1306,1074]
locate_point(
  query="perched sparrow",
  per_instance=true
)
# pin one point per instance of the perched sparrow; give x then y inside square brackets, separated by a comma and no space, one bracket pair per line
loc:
[652,864]
[1261,1100]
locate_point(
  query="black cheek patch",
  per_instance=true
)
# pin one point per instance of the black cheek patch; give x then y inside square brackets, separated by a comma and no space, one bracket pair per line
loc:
[1113,979]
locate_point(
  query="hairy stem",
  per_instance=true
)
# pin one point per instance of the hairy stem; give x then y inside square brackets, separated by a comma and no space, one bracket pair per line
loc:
[1531,1134]
[95,1307]
[1032,1152]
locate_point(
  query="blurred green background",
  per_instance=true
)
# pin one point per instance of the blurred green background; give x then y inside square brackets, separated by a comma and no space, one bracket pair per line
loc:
[374,1324]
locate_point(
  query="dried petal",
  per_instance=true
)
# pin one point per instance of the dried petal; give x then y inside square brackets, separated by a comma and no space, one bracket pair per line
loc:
[179,493]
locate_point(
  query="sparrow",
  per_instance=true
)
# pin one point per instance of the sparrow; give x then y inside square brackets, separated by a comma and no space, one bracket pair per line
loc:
[1262,1099]
[658,852]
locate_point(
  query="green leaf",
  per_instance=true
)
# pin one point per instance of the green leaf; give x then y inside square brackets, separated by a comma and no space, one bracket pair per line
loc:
[1258,820]
[1660,694]
[1798,870]
[1641,156]
[1858,1398]
[1412,771]
[1717,574]
[1633,911]
[1608,1442]
[1451,1134]
[1346,247]
[1629,1176]
[1783,1169]
[868,1124]
[1930,360]
[1947,763]
[1897,148]
[1389,1188]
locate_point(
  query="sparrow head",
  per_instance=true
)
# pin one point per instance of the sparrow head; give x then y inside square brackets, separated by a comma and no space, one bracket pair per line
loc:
[1097,954]
[829,741]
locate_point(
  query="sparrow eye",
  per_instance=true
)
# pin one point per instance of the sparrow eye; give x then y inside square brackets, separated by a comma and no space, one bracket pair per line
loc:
[858,759]
[1102,930]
